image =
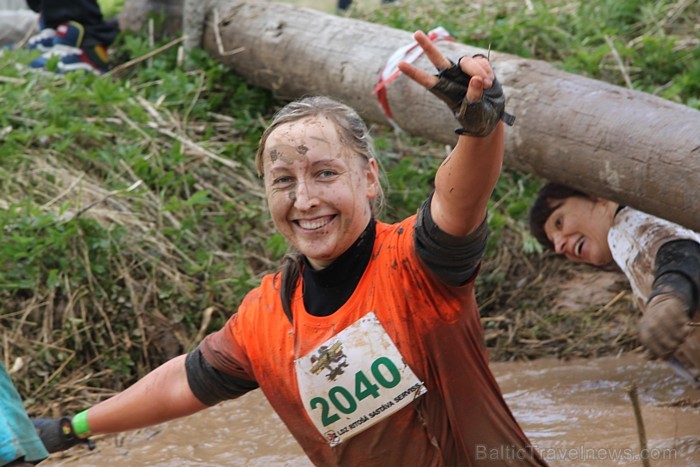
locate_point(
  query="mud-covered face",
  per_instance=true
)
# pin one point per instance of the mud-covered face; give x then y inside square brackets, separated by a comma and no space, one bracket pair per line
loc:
[578,229]
[318,191]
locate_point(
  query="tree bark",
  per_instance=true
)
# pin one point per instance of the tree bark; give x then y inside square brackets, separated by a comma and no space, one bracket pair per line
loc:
[136,13]
[193,14]
[609,141]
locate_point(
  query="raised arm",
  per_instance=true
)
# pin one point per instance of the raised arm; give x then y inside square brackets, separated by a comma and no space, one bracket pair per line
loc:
[466,178]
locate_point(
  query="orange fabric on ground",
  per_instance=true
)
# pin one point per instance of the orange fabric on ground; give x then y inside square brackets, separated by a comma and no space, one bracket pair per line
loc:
[462,420]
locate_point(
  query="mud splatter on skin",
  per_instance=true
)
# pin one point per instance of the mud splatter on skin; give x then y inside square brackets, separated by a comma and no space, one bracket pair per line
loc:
[283,153]
[306,161]
[288,154]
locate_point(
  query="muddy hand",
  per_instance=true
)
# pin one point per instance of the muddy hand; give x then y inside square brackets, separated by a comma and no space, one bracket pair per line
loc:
[688,357]
[664,325]
[478,68]
[57,434]
[468,87]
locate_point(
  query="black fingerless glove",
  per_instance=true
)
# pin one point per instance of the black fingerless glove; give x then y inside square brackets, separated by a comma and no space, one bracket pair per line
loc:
[478,118]
[677,271]
[57,434]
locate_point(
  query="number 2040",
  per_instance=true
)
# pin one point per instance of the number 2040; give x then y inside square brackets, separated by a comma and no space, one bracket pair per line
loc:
[383,371]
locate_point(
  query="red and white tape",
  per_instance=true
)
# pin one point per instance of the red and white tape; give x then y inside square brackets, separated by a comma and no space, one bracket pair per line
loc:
[390,71]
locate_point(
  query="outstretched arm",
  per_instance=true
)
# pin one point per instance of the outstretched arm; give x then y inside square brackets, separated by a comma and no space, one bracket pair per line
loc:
[674,299]
[466,178]
[162,395]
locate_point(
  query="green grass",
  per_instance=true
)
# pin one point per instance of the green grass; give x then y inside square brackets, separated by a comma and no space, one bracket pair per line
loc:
[656,41]
[120,224]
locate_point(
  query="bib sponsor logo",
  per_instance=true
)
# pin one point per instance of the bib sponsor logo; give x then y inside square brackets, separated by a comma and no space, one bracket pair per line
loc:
[330,358]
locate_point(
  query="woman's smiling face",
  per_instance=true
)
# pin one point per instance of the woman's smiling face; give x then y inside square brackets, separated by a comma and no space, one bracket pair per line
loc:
[578,229]
[318,190]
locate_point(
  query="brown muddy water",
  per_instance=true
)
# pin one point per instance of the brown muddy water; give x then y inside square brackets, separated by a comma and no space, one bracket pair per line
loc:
[576,413]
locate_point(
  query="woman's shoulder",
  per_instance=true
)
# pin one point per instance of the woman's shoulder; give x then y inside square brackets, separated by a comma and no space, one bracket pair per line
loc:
[640,225]
[395,243]
[266,291]
[397,228]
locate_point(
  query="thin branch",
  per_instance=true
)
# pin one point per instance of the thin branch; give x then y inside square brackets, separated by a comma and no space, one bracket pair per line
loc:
[632,392]
[619,62]
[219,42]
[136,61]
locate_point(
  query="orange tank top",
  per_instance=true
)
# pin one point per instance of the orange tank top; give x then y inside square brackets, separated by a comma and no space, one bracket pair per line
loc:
[401,368]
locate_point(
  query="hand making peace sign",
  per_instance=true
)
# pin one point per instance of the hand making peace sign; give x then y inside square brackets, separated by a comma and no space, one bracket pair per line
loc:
[468,87]
[477,67]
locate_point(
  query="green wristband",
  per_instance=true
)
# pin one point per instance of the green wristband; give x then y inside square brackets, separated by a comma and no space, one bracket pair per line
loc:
[80,425]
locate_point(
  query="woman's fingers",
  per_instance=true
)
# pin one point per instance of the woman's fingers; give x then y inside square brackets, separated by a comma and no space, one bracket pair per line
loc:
[421,77]
[478,66]
[482,75]
[475,89]
[432,52]
[436,58]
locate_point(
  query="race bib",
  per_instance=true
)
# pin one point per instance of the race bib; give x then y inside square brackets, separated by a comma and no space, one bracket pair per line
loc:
[354,380]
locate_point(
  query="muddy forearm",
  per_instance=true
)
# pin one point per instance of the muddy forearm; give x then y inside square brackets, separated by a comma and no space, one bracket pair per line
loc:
[465,180]
[162,395]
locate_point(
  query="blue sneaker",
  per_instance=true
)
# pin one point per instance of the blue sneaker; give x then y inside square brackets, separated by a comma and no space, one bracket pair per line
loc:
[43,41]
[71,56]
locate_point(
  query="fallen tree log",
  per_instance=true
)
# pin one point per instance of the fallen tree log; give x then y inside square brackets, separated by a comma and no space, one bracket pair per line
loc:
[629,146]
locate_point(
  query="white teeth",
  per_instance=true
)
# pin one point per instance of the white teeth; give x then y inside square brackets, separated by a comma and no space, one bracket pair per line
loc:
[312,224]
[577,248]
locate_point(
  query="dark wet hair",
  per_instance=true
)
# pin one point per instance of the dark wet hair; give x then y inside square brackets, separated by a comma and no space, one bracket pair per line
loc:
[549,198]
[352,131]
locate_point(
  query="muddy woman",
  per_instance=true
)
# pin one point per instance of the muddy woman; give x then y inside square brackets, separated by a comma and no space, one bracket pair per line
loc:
[660,259]
[367,342]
